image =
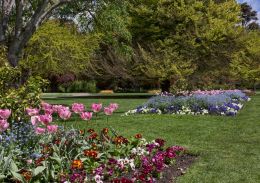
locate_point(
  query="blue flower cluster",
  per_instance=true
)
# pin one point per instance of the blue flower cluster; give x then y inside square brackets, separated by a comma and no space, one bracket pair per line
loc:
[224,103]
[20,135]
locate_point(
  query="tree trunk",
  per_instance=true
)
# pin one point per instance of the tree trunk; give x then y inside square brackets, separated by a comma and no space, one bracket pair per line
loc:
[165,85]
[13,54]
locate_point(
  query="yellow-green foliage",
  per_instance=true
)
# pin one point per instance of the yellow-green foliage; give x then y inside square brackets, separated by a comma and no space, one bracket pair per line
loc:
[3,59]
[245,65]
[189,38]
[15,96]
[59,49]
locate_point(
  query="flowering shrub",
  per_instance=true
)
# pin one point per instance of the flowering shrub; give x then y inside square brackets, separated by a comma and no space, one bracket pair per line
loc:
[85,156]
[218,102]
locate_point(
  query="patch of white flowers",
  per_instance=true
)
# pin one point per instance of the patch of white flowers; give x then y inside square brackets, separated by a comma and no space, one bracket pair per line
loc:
[143,110]
[139,151]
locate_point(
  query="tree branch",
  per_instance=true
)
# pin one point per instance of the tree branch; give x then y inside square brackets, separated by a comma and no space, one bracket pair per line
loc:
[19,17]
[7,6]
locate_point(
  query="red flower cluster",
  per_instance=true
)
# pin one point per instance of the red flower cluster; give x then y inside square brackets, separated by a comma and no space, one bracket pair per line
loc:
[138,136]
[91,153]
[120,140]
[122,180]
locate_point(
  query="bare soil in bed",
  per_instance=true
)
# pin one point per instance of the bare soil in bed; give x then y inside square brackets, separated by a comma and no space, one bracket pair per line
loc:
[171,173]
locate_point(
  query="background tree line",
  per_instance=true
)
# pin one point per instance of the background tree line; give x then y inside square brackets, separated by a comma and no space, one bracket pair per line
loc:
[126,45]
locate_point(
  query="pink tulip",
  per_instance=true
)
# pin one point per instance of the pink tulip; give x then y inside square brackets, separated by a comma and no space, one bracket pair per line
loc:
[86,115]
[56,108]
[45,119]
[29,161]
[96,107]
[5,113]
[39,130]
[113,106]
[48,111]
[45,105]
[52,128]
[64,113]
[3,125]
[32,111]
[35,120]
[108,111]
[77,108]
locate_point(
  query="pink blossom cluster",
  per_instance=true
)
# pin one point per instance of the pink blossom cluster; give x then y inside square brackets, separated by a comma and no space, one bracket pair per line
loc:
[4,115]
[150,164]
[211,92]
[64,113]
[156,162]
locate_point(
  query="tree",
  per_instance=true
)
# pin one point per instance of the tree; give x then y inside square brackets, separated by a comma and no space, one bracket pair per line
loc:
[57,49]
[20,19]
[245,66]
[253,26]
[198,36]
[247,14]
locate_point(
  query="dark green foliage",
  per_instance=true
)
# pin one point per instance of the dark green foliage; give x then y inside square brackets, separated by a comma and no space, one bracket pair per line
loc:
[79,86]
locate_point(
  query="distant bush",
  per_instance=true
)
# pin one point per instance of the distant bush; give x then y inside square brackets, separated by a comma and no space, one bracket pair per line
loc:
[78,86]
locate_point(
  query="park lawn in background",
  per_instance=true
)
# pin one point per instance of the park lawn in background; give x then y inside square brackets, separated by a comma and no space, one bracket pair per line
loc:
[228,147]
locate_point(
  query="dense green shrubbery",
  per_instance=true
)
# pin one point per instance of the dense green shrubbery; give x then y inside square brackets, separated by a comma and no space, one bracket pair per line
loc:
[79,86]
[15,96]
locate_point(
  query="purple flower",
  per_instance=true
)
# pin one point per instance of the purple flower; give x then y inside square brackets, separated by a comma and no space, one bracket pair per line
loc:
[78,177]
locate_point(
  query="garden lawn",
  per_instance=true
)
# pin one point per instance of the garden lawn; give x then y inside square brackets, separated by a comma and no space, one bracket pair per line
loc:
[228,147]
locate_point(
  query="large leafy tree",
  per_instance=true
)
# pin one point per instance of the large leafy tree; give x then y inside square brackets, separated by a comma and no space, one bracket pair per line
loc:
[57,49]
[194,34]
[19,19]
[245,66]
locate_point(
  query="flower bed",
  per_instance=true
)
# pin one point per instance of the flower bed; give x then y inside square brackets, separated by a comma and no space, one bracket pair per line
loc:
[216,102]
[40,151]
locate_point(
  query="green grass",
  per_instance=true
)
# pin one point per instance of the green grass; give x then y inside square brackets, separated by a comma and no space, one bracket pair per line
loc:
[86,95]
[228,147]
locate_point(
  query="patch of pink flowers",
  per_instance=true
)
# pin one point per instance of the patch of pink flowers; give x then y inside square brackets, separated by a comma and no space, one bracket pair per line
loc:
[5,113]
[3,125]
[77,108]
[108,111]
[96,107]
[211,92]
[32,111]
[86,115]
[64,113]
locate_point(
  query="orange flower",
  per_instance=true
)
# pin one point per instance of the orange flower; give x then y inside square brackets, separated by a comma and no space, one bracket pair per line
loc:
[90,153]
[77,164]
[38,162]
[57,142]
[138,136]
[93,136]
[119,140]
[94,146]
[91,130]
[82,132]
[105,130]
[26,174]
[46,149]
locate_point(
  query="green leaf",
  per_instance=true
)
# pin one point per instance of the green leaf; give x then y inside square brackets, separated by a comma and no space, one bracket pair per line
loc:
[14,167]
[38,170]
[2,177]
[18,176]
[57,159]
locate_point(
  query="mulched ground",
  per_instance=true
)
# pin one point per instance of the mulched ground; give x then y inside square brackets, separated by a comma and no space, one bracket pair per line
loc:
[171,174]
